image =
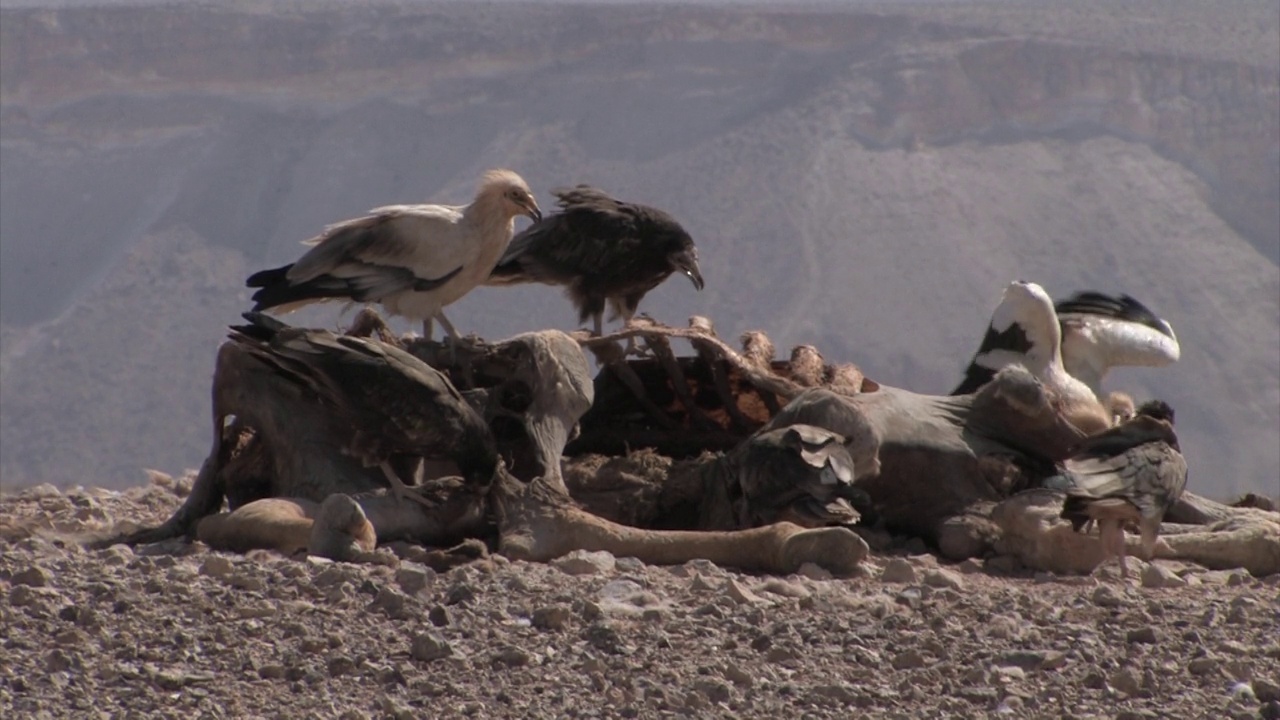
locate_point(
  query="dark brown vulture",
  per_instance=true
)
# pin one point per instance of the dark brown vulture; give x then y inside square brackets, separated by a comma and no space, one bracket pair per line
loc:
[600,249]
[396,404]
[1132,473]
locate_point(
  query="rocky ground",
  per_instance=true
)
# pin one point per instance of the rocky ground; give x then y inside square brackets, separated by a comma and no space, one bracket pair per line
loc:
[175,630]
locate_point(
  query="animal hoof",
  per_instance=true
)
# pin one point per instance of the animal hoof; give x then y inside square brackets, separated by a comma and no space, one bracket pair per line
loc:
[341,530]
[837,549]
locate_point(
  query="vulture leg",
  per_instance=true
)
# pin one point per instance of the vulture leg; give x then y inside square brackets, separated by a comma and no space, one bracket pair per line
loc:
[626,309]
[1119,550]
[399,489]
[453,336]
[1150,532]
[448,326]
[428,327]
[599,323]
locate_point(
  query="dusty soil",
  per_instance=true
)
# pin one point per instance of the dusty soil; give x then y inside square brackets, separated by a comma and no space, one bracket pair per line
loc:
[175,630]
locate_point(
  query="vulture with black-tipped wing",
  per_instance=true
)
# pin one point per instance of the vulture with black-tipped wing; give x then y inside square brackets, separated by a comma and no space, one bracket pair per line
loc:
[414,260]
[1132,473]
[1101,331]
[1024,330]
[396,404]
[602,250]
[1095,332]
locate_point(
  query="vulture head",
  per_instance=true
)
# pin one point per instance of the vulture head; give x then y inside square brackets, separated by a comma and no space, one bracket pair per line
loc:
[685,259]
[1024,329]
[516,198]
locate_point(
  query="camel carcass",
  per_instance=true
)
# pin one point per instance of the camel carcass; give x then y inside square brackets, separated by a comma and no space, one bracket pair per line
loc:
[278,438]
[931,466]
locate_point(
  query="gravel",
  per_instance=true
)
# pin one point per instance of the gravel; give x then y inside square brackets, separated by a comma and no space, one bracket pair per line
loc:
[175,630]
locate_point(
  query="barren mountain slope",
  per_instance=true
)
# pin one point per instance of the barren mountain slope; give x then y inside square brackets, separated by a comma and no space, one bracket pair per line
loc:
[867,182]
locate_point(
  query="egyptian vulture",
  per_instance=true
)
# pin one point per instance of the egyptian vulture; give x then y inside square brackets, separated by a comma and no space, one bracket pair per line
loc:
[601,250]
[1097,332]
[1132,473]
[412,259]
[396,404]
[1024,330]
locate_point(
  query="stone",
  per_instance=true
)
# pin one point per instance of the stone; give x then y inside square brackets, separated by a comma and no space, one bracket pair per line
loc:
[734,673]
[216,566]
[778,586]
[512,656]
[1159,576]
[1202,666]
[413,578]
[629,565]
[814,571]
[1125,680]
[271,672]
[898,570]
[390,601]
[1142,635]
[941,578]
[1033,660]
[34,576]
[583,562]
[1266,690]
[438,615]
[551,617]
[716,691]
[738,593]
[429,646]
[700,584]
[908,660]
[340,665]
[245,581]
[1106,596]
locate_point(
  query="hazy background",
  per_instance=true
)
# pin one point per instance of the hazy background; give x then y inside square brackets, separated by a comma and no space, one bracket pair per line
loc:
[862,177]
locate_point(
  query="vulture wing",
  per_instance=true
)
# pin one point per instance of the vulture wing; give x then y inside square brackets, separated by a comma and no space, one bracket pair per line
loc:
[397,403]
[1100,332]
[1137,462]
[584,237]
[397,248]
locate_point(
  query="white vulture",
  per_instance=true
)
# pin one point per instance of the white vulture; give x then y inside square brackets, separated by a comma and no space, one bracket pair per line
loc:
[1100,332]
[1024,330]
[414,260]
[1097,332]
[1132,473]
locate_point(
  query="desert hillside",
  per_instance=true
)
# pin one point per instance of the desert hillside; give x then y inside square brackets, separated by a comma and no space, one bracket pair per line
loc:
[865,178]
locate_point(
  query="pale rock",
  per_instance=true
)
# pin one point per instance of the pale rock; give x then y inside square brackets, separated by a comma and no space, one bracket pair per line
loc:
[941,578]
[898,570]
[1156,575]
[429,646]
[216,566]
[739,593]
[582,562]
[414,578]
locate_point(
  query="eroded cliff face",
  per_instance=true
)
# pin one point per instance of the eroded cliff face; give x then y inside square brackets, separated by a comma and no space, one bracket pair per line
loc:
[864,180]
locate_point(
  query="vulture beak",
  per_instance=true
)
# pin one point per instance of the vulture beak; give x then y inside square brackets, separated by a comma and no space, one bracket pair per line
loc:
[688,264]
[531,209]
